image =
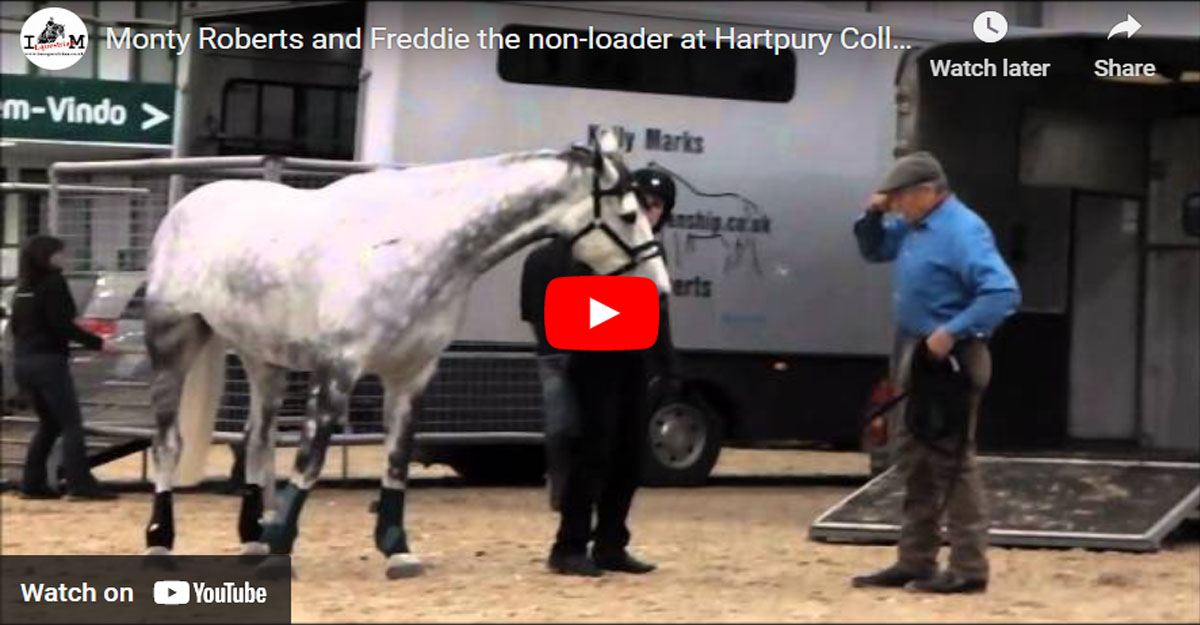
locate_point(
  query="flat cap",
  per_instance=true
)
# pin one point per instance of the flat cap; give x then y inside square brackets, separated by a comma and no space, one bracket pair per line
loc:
[912,169]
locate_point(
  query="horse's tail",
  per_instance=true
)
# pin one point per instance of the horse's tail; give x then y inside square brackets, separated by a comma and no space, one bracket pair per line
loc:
[198,410]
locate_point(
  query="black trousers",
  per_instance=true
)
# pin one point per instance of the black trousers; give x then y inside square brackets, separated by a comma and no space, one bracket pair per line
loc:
[46,379]
[604,460]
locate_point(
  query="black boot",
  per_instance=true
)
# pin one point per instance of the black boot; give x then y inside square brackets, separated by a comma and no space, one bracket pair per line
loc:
[621,561]
[39,492]
[573,564]
[891,577]
[948,582]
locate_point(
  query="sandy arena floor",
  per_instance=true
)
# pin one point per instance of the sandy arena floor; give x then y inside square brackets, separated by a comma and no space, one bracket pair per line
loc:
[727,553]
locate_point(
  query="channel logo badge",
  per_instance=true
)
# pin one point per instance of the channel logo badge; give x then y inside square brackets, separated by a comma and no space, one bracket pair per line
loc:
[172,592]
[601,313]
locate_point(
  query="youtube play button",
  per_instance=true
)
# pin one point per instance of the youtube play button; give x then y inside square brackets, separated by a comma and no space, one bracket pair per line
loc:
[601,313]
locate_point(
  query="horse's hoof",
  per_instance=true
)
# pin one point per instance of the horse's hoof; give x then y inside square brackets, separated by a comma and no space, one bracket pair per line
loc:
[275,568]
[253,552]
[158,558]
[402,565]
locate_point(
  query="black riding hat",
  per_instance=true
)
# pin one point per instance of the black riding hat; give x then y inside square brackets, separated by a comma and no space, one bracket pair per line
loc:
[655,183]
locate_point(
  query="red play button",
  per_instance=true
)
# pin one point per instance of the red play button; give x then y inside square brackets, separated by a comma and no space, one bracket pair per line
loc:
[601,313]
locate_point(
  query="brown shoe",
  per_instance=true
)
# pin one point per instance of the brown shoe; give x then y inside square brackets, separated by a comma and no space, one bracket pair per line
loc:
[891,577]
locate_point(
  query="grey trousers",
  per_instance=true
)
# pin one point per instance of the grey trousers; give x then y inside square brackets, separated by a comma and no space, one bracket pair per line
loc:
[929,469]
[560,405]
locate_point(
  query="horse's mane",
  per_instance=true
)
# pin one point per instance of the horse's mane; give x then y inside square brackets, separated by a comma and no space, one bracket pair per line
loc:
[579,156]
[447,177]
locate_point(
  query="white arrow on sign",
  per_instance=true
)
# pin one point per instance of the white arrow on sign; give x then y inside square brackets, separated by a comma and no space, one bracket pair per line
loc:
[156,116]
[1129,26]
[599,313]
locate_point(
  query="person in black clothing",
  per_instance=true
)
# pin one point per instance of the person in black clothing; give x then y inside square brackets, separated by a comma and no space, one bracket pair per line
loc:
[597,406]
[560,404]
[43,325]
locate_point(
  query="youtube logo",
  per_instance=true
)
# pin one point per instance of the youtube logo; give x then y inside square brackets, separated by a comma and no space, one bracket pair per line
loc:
[601,313]
[172,592]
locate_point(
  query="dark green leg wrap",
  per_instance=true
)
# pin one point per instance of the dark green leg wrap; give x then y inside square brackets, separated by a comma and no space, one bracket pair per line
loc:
[249,526]
[389,524]
[160,532]
[280,534]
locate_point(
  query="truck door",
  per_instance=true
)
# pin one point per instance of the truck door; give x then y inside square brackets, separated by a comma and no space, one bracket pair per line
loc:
[907,75]
[1103,370]
[1170,397]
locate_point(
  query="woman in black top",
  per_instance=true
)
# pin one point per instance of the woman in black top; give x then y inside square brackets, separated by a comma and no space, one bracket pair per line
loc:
[43,325]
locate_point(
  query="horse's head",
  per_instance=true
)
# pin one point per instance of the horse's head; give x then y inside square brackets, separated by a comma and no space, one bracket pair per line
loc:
[609,232]
[51,32]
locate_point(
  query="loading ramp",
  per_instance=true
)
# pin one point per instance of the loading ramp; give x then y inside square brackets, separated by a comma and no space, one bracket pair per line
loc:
[1126,505]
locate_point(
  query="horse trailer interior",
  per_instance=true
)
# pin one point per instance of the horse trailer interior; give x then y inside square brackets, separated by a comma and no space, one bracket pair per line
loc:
[1106,347]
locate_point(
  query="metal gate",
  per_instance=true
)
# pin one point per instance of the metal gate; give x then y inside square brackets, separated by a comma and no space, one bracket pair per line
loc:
[113,233]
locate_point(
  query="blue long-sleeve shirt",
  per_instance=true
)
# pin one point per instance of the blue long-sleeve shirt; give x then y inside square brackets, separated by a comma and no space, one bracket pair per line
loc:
[947,273]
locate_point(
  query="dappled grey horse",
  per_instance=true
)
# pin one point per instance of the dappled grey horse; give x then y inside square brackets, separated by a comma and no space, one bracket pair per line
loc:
[367,275]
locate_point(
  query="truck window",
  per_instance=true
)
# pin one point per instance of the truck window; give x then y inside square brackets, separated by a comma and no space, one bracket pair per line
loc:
[758,74]
[302,120]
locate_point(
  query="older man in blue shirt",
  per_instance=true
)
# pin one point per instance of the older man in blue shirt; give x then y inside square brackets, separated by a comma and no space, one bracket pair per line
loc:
[951,291]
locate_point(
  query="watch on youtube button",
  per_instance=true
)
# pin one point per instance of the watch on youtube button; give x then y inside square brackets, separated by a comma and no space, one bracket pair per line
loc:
[601,313]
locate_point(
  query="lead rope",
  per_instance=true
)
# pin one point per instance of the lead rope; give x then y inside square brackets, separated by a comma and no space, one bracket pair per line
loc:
[964,434]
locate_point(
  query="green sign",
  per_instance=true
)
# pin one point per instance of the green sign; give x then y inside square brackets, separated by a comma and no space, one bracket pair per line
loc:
[73,109]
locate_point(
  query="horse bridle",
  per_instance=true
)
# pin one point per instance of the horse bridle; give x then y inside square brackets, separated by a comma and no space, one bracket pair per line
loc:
[637,254]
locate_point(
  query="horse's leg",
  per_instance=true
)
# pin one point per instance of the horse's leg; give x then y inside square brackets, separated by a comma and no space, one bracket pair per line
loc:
[329,400]
[390,537]
[172,342]
[266,394]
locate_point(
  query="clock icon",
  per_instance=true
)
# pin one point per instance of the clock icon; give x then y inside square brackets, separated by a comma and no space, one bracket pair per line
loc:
[990,26]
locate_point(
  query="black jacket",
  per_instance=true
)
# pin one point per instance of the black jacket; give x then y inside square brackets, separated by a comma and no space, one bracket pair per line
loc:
[549,261]
[43,319]
[553,260]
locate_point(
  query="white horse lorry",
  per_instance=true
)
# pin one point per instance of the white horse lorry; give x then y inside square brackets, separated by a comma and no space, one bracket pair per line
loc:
[784,331]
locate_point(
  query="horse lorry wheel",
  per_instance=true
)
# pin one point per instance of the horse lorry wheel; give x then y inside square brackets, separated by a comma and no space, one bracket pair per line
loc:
[683,441]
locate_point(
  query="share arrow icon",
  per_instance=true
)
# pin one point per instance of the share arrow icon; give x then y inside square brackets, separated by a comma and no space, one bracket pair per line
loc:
[1129,26]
